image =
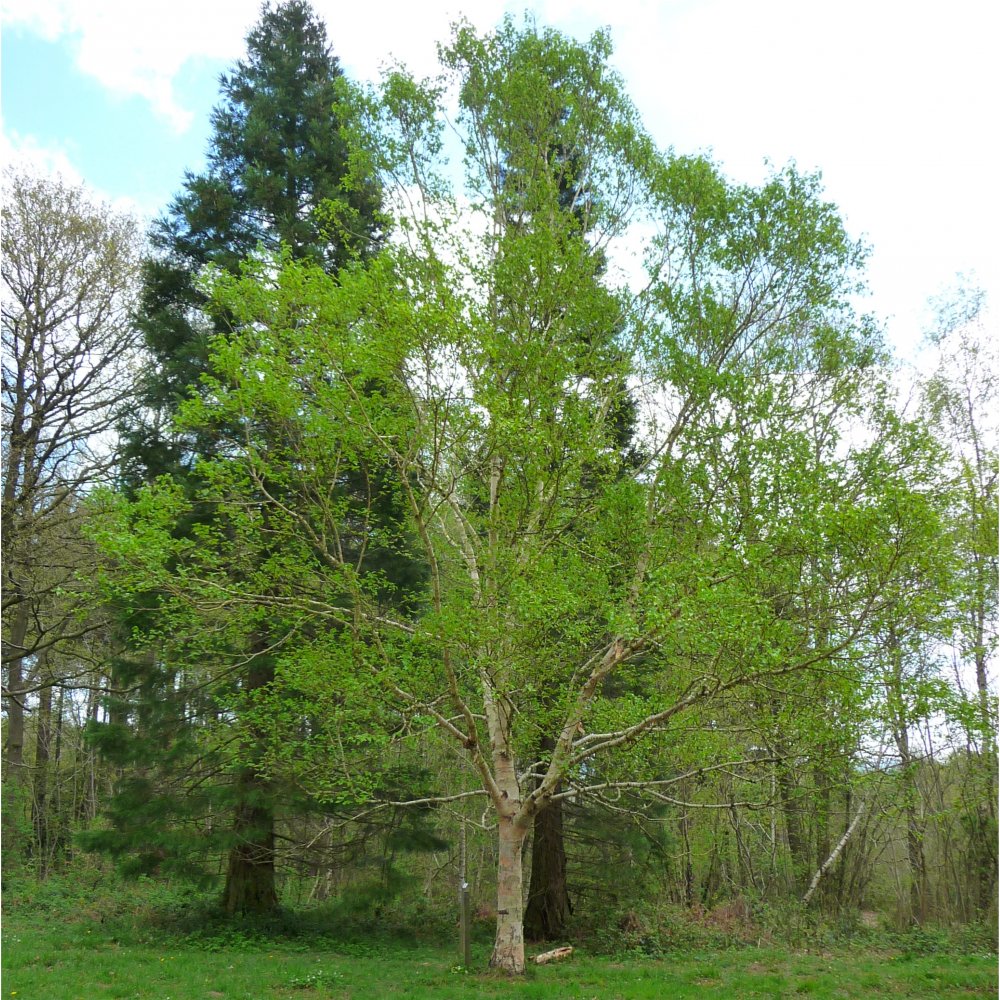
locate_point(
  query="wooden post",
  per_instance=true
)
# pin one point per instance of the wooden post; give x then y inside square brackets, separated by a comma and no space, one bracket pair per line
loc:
[464,923]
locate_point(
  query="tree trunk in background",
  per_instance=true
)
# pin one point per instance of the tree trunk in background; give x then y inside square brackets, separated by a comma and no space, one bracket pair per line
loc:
[900,722]
[250,887]
[914,830]
[39,802]
[13,648]
[688,866]
[15,778]
[986,853]
[787,789]
[548,909]
[250,882]
[823,785]
[918,867]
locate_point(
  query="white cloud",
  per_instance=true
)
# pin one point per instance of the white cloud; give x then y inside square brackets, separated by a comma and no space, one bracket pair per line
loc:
[25,152]
[139,48]
[369,37]
[891,100]
[28,154]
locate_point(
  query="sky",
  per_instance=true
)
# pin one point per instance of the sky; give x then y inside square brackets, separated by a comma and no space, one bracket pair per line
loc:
[893,101]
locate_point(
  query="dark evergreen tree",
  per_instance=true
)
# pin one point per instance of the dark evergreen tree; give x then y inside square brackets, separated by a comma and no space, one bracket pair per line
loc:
[276,175]
[275,182]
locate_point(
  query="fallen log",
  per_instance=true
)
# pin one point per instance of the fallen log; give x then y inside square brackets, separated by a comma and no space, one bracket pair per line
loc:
[553,956]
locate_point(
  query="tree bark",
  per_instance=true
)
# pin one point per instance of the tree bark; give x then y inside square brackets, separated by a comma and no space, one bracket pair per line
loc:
[14,749]
[832,857]
[15,777]
[39,803]
[797,847]
[549,908]
[250,882]
[688,866]
[911,792]
[508,950]
[985,825]
[914,829]
[250,886]
[918,867]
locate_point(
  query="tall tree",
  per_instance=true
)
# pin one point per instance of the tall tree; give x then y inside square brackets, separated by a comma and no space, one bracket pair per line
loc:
[548,906]
[276,170]
[553,579]
[275,181]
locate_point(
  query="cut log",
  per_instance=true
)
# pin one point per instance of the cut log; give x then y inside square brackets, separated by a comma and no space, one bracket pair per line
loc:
[553,956]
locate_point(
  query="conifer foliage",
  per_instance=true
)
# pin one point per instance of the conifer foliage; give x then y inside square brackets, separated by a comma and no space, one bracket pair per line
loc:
[275,178]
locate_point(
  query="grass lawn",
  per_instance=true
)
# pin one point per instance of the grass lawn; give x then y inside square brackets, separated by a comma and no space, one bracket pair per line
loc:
[45,958]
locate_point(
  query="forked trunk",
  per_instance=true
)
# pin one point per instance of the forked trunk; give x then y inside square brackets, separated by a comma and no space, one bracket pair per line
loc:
[508,951]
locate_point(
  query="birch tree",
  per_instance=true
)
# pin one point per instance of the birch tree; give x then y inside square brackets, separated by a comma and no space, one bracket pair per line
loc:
[479,358]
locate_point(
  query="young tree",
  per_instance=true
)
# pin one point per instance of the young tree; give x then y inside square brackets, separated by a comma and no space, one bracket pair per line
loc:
[568,608]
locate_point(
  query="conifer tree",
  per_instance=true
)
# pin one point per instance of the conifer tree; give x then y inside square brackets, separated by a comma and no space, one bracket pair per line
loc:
[274,184]
[276,168]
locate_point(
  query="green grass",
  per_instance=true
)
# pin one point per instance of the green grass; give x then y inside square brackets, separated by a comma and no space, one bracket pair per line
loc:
[52,957]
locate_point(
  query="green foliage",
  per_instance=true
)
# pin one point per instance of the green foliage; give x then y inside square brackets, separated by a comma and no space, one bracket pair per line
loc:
[221,716]
[667,531]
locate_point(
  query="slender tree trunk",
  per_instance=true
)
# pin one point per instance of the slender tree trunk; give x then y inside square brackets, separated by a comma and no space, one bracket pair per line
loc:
[88,759]
[918,866]
[14,774]
[793,826]
[911,791]
[688,866]
[56,792]
[14,647]
[823,786]
[39,802]
[821,871]
[914,829]
[985,832]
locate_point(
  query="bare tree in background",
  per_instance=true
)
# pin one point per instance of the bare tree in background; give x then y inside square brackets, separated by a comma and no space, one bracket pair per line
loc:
[70,266]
